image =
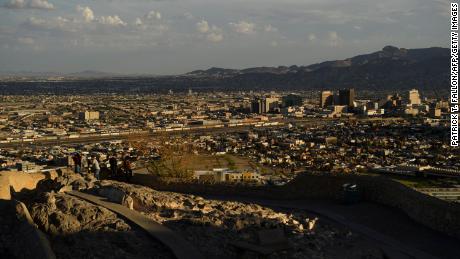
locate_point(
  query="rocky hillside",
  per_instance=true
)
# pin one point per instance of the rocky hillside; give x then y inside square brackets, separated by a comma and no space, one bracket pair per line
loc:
[79,229]
[390,68]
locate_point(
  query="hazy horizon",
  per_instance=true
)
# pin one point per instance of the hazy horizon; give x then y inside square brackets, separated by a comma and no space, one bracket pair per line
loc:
[175,36]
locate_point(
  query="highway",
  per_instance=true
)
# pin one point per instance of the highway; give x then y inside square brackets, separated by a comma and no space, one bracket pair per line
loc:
[93,139]
[212,130]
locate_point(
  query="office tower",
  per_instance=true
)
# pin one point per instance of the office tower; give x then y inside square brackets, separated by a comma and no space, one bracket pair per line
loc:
[414,97]
[435,112]
[89,115]
[292,100]
[326,99]
[347,97]
[270,103]
[392,101]
[372,105]
[257,106]
[264,105]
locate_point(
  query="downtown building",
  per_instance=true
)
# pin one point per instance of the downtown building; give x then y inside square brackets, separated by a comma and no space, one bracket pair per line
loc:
[264,105]
[345,97]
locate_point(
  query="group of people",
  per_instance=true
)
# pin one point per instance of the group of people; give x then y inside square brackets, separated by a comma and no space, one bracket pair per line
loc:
[92,166]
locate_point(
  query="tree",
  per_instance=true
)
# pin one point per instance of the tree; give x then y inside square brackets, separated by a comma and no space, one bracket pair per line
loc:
[170,160]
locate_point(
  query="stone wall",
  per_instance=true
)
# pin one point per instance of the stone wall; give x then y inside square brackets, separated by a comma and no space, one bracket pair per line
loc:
[429,211]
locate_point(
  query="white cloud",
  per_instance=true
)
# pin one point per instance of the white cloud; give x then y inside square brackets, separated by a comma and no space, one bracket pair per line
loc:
[215,37]
[35,21]
[311,37]
[31,4]
[86,12]
[274,44]
[15,4]
[243,27]
[138,21]
[88,16]
[41,4]
[62,20]
[202,26]
[58,23]
[153,15]
[146,27]
[112,20]
[149,20]
[357,27]
[334,39]
[213,33]
[270,28]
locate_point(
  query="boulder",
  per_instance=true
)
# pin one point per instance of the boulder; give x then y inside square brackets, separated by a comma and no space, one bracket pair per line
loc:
[22,213]
[128,202]
[113,194]
[62,214]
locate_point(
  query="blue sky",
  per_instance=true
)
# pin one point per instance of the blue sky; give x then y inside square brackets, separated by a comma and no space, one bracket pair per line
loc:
[177,36]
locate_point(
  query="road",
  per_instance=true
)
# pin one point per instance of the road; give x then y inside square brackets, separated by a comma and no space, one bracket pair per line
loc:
[84,140]
[93,139]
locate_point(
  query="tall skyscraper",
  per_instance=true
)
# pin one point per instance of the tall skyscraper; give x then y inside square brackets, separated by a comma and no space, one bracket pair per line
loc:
[257,106]
[264,105]
[414,97]
[326,99]
[347,97]
[292,100]
[270,103]
[89,115]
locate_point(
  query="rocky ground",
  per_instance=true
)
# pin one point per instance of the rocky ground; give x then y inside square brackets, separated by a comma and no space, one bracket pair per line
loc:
[213,225]
[78,229]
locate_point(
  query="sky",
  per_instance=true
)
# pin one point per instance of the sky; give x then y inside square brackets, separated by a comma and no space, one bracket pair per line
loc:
[178,36]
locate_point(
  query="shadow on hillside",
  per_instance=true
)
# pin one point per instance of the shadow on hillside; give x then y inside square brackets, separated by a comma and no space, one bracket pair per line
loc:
[108,244]
[388,220]
[326,240]
[212,239]
[8,229]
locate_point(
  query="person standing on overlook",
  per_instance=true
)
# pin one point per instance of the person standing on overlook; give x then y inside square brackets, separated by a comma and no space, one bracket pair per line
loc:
[127,168]
[85,164]
[77,162]
[95,167]
[113,165]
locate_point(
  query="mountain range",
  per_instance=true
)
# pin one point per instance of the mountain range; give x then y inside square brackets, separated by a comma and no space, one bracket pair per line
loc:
[391,68]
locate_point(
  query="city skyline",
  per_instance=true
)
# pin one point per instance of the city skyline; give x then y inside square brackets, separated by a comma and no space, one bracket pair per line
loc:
[173,37]
[229,129]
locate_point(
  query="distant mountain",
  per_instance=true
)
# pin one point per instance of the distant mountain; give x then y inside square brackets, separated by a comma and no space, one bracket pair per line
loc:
[390,68]
[91,74]
[224,72]
[82,74]
[214,71]
[28,74]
